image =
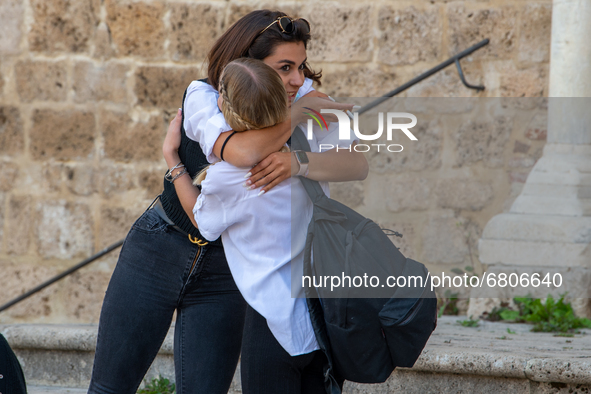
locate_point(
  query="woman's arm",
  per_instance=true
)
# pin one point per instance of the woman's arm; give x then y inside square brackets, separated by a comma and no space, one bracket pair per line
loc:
[186,192]
[329,166]
[249,148]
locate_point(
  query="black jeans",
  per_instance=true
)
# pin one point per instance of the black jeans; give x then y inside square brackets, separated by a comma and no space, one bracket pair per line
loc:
[160,271]
[266,368]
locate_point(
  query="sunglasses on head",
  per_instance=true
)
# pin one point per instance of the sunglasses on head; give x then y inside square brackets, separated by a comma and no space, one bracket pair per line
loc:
[287,25]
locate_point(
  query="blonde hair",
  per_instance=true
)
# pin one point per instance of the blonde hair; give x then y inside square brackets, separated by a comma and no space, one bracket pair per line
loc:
[253,95]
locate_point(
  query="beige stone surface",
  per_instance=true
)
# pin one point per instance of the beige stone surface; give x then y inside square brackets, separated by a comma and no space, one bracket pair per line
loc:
[116,222]
[416,156]
[193,28]
[62,135]
[11,19]
[463,194]
[11,130]
[42,80]
[64,229]
[468,26]
[8,175]
[448,238]
[137,28]
[80,180]
[28,275]
[359,82]
[128,140]
[62,25]
[530,82]
[408,194]
[20,219]
[85,290]
[341,33]
[163,87]
[409,35]
[103,82]
[535,28]
[483,140]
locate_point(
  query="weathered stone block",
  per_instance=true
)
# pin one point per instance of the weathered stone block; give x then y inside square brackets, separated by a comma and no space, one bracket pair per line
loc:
[359,82]
[2,216]
[163,87]
[11,24]
[80,179]
[349,193]
[8,175]
[20,220]
[417,155]
[151,181]
[85,291]
[531,82]
[236,12]
[483,141]
[20,277]
[62,25]
[62,135]
[535,31]
[409,35]
[42,80]
[340,33]
[107,81]
[64,229]
[463,194]
[131,140]
[12,140]
[116,223]
[470,26]
[137,29]
[117,179]
[195,27]
[408,194]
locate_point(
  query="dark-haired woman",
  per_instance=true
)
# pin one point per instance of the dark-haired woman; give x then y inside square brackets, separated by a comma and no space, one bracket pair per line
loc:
[165,263]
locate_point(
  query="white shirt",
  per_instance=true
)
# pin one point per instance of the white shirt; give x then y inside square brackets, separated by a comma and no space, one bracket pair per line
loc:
[204,122]
[263,241]
[261,249]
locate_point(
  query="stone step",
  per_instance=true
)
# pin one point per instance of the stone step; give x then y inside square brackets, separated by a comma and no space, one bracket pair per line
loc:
[491,358]
[54,390]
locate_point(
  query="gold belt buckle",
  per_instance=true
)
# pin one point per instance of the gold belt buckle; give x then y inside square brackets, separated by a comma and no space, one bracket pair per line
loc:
[197,241]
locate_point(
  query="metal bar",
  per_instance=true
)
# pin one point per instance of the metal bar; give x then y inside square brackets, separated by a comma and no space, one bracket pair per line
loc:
[424,75]
[60,276]
[466,84]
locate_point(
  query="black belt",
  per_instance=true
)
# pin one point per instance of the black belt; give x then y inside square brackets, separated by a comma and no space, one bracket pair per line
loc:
[159,209]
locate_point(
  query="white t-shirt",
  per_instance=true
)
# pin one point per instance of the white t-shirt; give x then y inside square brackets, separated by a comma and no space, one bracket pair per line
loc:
[204,122]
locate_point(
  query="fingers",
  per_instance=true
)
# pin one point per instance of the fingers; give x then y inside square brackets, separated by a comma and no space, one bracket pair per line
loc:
[270,172]
[177,118]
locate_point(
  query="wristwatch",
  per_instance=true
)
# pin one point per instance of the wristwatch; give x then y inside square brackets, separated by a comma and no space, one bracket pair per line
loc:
[303,161]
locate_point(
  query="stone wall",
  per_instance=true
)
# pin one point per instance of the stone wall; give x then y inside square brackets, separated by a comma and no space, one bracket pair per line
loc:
[87,88]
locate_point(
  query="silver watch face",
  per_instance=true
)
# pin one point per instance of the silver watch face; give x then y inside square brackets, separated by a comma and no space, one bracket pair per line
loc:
[302,157]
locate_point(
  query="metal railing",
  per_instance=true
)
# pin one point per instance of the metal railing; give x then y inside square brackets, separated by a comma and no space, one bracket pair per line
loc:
[452,60]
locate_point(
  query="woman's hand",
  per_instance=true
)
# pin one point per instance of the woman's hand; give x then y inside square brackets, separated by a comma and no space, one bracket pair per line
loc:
[271,171]
[170,147]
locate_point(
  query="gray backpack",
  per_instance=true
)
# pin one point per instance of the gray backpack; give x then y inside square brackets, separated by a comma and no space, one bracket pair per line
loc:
[364,335]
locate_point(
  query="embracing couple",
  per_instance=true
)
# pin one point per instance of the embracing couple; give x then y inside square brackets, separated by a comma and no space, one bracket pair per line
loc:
[220,249]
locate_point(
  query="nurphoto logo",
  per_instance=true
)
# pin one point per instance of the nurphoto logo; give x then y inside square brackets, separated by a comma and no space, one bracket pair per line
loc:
[345,129]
